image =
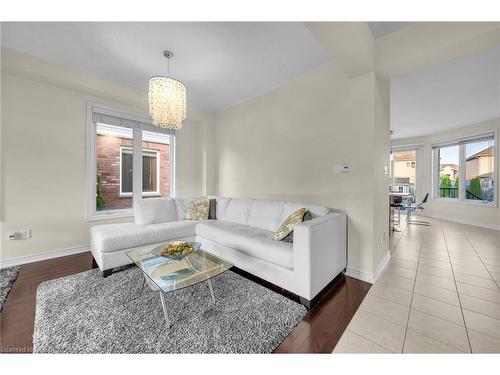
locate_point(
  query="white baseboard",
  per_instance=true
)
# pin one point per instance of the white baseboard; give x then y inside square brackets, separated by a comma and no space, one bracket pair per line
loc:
[43,256]
[382,264]
[360,275]
[463,221]
[366,276]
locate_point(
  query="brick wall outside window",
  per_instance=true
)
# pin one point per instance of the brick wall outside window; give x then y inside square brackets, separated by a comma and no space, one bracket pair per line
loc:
[108,168]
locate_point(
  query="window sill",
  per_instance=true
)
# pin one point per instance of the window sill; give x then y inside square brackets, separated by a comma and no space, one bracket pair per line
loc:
[111,215]
[143,195]
[469,202]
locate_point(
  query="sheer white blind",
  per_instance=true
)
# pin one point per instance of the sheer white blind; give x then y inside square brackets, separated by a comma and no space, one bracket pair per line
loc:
[103,116]
[465,140]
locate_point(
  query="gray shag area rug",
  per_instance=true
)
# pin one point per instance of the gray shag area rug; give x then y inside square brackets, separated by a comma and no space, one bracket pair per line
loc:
[7,278]
[86,313]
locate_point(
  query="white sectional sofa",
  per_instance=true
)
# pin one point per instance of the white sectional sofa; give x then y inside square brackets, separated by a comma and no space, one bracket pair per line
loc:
[242,234]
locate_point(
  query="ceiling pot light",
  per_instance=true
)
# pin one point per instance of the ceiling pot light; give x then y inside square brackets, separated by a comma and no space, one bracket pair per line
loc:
[167,99]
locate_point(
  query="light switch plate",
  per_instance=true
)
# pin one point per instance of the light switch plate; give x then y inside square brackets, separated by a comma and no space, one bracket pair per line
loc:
[341,168]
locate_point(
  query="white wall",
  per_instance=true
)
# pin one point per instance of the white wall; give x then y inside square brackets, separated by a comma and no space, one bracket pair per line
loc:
[283,145]
[43,151]
[453,211]
[280,145]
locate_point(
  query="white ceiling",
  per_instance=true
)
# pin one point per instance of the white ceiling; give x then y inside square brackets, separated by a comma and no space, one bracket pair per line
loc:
[220,63]
[379,29]
[225,63]
[448,95]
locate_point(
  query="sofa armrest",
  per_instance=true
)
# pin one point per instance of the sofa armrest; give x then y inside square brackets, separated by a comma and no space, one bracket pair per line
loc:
[319,251]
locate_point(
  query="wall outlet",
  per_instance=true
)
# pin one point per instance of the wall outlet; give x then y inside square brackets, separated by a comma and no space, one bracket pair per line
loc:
[15,236]
[23,235]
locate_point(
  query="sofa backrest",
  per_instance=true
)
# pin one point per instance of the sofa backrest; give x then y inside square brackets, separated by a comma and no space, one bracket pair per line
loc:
[259,213]
[155,210]
[264,214]
[161,210]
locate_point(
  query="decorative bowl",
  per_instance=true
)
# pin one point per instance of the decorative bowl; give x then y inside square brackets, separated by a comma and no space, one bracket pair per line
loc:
[157,251]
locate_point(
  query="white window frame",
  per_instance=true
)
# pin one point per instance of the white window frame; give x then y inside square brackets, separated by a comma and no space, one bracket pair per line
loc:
[462,172]
[155,193]
[139,125]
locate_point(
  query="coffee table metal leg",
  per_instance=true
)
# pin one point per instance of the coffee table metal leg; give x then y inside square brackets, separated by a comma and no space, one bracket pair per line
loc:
[211,290]
[164,306]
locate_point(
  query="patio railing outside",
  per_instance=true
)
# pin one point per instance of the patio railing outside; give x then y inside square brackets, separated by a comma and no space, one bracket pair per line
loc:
[452,192]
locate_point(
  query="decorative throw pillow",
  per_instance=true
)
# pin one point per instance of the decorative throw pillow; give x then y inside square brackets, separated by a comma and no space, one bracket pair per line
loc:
[289,236]
[198,210]
[287,226]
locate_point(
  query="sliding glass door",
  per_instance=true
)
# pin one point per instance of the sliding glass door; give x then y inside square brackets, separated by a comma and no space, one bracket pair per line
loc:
[404,171]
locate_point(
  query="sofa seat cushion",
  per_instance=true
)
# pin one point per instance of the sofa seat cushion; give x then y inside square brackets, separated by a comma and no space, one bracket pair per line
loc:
[113,237]
[249,240]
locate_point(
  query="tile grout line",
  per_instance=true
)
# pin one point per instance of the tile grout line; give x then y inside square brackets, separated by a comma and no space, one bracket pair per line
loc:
[458,294]
[438,317]
[484,334]
[388,300]
[480,259]
[435,299]
[412,294]
[381,318]
[397,242]
[376,343]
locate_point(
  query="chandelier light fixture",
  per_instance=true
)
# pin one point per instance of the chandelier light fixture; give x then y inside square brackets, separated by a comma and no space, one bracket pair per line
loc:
[167,99]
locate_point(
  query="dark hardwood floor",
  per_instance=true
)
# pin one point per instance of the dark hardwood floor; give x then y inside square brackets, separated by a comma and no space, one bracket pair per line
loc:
[317,333]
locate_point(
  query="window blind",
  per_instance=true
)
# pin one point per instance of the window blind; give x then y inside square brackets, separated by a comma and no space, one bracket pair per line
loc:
[465,140]
[134,122]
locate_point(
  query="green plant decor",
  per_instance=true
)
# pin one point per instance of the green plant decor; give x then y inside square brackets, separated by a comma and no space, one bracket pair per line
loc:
[475,186]
[445,183]
[99,199]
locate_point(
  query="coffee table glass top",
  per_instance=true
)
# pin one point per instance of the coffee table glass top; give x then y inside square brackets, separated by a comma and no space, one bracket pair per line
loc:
[169,275]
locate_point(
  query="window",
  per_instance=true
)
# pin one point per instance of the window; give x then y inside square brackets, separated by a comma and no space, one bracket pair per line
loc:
[150,172]
[121,148]
[479,170]
[449,173]
[465,171]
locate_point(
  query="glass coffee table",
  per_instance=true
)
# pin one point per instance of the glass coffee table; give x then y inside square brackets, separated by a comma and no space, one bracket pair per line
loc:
[166,275]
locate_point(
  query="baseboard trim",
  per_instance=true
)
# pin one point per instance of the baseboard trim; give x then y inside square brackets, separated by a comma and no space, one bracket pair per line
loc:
[360,275]
[463,221]
[43,256]
[382,264]
[366,276]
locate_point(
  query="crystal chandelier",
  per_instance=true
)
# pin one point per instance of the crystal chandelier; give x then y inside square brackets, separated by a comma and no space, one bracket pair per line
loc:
[167,99]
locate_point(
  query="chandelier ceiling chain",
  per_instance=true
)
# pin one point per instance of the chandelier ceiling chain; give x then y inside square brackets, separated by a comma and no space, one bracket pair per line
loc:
[167,99]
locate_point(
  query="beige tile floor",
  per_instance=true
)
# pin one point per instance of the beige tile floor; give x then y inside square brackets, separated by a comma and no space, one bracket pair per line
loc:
[439,293]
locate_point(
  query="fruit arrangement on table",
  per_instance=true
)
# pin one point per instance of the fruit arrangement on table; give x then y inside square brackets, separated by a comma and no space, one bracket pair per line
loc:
[176,249]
